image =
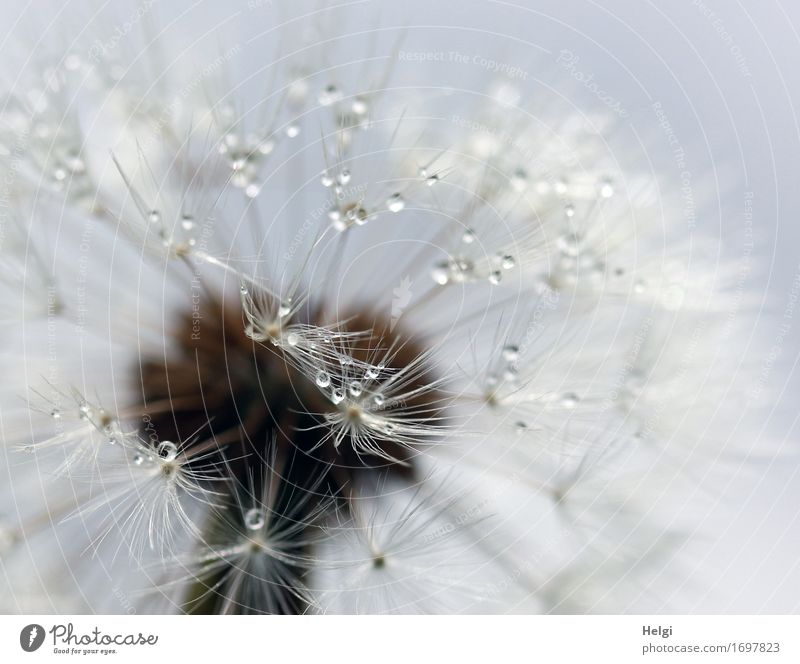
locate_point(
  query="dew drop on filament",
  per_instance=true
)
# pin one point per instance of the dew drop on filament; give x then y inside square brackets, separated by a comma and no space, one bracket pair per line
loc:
[395,203]
[254,519]
[569,400]
[167,450]
[323,379]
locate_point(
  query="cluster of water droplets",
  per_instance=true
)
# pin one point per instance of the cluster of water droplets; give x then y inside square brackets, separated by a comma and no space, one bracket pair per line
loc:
[353,388]
[461,268]
[246,154]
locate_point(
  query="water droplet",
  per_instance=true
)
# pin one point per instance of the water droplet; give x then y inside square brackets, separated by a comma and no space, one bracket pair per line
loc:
[323,379]
[569,400]
[292,131]
[520,427]
[510,374]
[293,338]
[55,414]
[390,427]
[329,95]
[359,106]
[138,459]
[432,180]
[606,190]
[243,289]
[507,262]
[266,147]
[337,396]
[371,372]
[344,177]
[326,179]
[495,277]
[60,173]
[252,190]
[468,236]
[395,203]
[569,210]
[254,519]
[511,353]
[154,216]
[519,180]
[187,222]
[639,287]
[355,388]
[84,410]
[441,274]
[167,450]
[7,539]
[379,399]
[285,308]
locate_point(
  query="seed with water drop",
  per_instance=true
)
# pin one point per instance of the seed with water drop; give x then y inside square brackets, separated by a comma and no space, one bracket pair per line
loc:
[254,519]
[395,203]
[167,450]
[323,379]
[569,400]
[510,374]
[329,95]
